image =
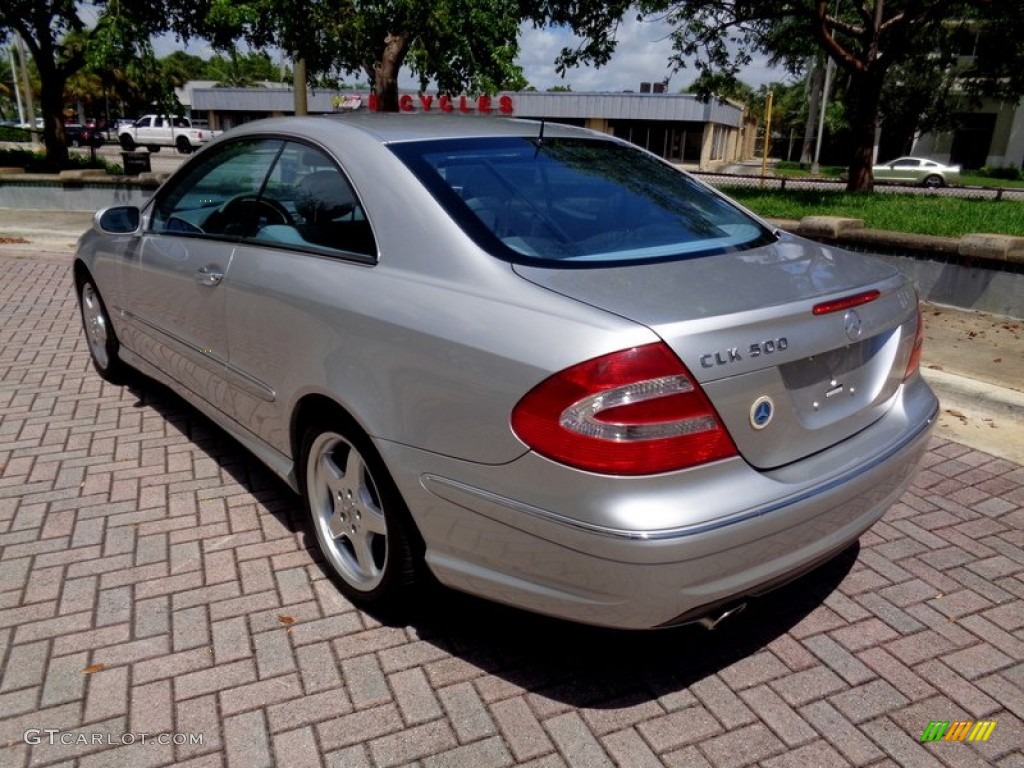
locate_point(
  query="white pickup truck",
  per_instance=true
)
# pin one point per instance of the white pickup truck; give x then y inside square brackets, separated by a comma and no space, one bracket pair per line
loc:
[155,131]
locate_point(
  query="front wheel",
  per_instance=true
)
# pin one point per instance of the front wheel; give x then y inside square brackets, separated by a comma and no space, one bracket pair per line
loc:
[361,523]
[99,334]
[127,142]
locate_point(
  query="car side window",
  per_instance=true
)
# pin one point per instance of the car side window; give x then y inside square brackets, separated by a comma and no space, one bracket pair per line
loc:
[908,163]
[324,214]
[219,194]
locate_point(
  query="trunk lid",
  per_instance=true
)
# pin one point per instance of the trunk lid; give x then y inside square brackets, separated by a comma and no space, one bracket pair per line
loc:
[786,382]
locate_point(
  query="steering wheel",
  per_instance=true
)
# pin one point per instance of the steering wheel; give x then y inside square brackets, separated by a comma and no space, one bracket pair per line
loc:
[244,214]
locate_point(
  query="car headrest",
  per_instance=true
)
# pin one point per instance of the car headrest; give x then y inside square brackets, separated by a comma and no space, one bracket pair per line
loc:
[323,196]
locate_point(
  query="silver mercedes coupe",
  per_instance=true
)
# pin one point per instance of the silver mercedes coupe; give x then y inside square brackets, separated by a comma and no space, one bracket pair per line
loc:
[531,361]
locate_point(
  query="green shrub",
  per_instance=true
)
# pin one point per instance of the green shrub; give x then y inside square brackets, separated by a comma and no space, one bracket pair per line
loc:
[36,162]
[13,133]
[1007,172]
[20,158]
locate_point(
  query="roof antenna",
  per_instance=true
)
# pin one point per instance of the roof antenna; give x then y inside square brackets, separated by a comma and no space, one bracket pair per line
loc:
[540,138]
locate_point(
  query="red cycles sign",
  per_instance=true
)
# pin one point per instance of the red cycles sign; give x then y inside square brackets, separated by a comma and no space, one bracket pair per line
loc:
[426,102]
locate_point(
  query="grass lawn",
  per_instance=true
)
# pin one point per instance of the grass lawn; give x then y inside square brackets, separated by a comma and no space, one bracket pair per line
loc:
[969,180]
[920,214]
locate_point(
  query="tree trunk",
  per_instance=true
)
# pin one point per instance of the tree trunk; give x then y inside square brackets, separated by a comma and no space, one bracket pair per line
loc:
[51,106]
[867,95]
[385,72]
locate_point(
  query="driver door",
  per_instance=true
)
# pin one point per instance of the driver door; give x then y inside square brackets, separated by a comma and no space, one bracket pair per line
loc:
[176,289]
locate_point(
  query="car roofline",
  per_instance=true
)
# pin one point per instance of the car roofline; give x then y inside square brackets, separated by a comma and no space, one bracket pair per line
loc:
[391,128]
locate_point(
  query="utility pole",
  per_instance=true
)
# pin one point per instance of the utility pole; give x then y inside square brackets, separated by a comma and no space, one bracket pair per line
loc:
[767,134]
[829,67]
[14,82]
[813,90]
[30,112]
[299,81]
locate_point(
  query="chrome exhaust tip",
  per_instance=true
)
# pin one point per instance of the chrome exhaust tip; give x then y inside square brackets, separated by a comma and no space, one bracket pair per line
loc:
[712,621]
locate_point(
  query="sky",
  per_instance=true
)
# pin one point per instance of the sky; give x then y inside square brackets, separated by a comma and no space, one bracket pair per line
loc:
[642,55]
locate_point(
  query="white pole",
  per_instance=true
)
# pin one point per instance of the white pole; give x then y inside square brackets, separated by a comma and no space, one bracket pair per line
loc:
[30,111]
[17,88]
[815,167]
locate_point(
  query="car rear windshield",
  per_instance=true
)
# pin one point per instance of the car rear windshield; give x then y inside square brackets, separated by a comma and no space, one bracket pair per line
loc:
[576,202]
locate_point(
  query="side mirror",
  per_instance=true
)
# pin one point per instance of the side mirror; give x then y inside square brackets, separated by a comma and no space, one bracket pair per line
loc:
[118,220]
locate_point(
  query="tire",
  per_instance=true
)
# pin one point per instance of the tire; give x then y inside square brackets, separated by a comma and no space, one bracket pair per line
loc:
[361,524]
[99,334]
[127,142]
[153,148]
[183,146]
[933,182]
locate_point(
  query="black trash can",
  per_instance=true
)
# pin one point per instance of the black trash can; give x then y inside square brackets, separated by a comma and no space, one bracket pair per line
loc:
[135,163]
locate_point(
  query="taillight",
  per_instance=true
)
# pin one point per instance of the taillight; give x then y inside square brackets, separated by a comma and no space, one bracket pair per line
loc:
[634,412]
[847,302]
[914,363]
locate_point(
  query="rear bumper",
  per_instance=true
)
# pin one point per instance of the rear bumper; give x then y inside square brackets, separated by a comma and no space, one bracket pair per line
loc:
[645,552]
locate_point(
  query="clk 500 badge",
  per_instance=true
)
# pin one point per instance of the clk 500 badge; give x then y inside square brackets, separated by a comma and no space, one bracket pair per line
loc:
[733,354]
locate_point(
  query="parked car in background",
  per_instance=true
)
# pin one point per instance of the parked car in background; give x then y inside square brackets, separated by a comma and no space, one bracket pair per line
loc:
[533,360]
[917,170]
[88,135]
[156,131]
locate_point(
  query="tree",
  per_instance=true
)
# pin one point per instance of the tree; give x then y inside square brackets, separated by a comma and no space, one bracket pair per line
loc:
[867,39]
[458,44]
[916,100]
[180,67]
[240,70]
[61,43]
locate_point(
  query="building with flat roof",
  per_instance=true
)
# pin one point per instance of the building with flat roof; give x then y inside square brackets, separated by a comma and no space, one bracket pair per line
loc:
[992,134]
[676,126]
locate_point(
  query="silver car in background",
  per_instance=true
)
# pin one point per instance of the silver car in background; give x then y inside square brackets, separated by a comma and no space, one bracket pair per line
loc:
[532,361]
[917,170]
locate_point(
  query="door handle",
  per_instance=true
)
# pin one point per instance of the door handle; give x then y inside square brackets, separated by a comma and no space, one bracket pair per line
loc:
[209,276]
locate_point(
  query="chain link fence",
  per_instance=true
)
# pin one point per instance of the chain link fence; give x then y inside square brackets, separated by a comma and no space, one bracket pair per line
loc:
[726,180]
[168,160]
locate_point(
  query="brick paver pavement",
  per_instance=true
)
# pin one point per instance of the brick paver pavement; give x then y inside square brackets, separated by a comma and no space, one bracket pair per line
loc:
[154,579]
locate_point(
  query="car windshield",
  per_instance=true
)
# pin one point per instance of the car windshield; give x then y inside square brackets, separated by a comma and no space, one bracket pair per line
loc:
[576,201]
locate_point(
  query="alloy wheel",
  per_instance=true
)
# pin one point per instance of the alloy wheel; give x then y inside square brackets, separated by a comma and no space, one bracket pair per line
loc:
[347,511]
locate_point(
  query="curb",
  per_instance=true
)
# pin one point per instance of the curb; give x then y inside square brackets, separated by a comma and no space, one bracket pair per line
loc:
[972,410]
[1001,249]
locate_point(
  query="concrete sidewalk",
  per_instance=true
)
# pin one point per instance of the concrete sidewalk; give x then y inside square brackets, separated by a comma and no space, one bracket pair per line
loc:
[973,360]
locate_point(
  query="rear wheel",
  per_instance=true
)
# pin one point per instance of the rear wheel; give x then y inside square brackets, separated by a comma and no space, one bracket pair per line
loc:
[361,523]
[99,334]
[183,145]
[933,181]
